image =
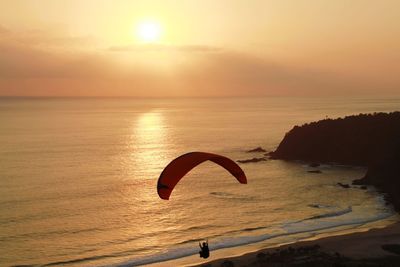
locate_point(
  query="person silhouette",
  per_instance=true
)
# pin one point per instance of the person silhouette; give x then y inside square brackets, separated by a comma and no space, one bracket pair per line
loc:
[205,251]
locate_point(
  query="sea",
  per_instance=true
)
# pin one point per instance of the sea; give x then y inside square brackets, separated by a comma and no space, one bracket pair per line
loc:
[78,179]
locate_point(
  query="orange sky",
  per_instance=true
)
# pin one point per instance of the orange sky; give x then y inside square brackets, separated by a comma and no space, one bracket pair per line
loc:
[206,48]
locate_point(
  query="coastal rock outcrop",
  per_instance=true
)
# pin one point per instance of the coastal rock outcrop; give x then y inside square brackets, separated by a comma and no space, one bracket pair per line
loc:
[257,149]
[314,165]
[343,185]
[371,140]
[251,160]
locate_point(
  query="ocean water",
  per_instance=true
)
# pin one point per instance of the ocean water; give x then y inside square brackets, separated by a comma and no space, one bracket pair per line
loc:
[78,178]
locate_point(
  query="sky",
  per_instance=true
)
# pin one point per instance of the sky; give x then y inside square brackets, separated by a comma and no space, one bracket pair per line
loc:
[201,48]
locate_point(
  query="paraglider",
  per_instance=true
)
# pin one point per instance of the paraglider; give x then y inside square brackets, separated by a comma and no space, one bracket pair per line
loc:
[180,166]
[205,251]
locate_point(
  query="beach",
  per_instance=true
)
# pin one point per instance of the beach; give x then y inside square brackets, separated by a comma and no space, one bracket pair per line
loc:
[355,248]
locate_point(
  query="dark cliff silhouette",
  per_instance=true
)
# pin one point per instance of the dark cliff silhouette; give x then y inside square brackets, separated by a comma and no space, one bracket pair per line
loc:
[371,140]
[385,175]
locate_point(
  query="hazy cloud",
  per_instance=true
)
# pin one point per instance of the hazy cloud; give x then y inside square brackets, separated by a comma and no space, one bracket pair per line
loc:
[167,48]
[3,30]
[41,67]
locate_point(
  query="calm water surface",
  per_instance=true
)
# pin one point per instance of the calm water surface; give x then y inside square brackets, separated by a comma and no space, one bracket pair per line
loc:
[78,178]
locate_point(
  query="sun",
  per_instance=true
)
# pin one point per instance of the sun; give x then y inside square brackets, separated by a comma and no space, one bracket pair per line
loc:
[148,31]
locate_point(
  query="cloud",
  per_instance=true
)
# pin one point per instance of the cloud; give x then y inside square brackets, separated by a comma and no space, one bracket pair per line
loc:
[44,68]
[46,39]
[166,48]
[3,30]
[232,73]
[21,62]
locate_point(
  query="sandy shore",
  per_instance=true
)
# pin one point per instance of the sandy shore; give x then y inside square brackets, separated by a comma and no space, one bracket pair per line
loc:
[354,248]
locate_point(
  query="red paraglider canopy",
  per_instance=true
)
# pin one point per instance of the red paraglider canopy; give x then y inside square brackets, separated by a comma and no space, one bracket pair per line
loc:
[180,166]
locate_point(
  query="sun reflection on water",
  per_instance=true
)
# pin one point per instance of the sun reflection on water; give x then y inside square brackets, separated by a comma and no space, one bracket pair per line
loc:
[148,145]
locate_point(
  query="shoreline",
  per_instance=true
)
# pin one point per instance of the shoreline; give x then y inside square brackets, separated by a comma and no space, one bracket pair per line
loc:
[364,245]
[245,254]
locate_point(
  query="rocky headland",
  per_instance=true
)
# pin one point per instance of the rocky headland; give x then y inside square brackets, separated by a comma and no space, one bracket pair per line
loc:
[371,140]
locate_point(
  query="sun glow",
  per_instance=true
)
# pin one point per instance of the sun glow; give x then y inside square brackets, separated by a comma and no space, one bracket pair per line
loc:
[148,31]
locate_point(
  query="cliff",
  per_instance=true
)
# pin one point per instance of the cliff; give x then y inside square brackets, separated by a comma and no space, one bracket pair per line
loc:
[371,140]
[385,175]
